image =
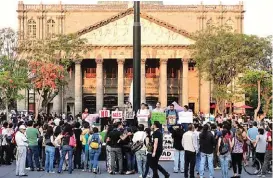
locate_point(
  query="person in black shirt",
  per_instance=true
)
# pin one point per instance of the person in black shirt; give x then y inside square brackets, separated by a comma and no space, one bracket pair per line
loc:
[114,141]
[78,151]
[177,135]
[153,158]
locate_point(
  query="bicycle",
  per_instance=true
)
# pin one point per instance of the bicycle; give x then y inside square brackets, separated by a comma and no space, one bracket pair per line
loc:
[252,165]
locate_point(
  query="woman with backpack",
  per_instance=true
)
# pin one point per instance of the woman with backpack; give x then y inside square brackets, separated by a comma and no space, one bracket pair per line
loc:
[49,150]
[237,153]
[95,142]
[68,142]
[223,152]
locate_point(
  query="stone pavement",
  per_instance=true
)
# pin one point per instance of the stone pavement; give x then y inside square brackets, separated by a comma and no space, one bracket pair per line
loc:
[9,172]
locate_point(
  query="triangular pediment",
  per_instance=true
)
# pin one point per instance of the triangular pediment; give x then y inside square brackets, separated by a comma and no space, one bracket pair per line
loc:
[118,30]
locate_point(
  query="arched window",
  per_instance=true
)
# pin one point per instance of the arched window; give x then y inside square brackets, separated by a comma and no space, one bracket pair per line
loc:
[229,23]
[50,28]
[32,28]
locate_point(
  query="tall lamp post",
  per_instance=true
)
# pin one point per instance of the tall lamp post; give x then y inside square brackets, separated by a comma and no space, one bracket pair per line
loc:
[136,56]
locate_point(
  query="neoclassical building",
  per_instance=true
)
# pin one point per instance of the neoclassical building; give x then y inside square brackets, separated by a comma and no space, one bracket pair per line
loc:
[104,75]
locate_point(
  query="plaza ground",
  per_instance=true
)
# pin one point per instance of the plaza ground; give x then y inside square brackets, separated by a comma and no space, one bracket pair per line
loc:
[9,172]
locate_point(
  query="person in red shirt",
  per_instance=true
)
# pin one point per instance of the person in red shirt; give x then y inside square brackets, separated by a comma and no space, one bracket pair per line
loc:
[268,153]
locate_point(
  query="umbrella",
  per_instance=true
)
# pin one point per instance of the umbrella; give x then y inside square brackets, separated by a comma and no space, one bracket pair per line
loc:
[213,106]
[246,107]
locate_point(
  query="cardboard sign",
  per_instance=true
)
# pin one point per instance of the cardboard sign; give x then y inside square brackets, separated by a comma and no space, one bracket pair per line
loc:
[129,115]
[91,118]
[168,150]
[142,117]
[158,116]
[185,117]
[104,113]
[116,114]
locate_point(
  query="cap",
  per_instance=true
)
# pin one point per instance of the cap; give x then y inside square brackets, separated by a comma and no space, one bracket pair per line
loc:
[22,127]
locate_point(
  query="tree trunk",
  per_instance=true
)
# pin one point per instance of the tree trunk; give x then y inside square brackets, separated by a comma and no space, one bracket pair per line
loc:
[259,101]
[266,106]
[38,105]
[7,110]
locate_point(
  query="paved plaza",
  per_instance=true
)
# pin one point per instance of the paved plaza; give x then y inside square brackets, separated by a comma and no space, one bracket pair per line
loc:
[9,172]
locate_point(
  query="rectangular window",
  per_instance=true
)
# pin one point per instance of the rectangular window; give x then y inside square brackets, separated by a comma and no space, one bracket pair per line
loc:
[129,72]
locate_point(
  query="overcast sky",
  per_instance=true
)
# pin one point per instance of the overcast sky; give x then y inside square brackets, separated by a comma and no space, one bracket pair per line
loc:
[258,16]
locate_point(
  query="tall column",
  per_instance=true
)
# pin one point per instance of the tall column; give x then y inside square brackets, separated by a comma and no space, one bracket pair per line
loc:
[120,81]
[163,82]
[185,82]
[57,103]
[143,81]
[99,85]
[78,87]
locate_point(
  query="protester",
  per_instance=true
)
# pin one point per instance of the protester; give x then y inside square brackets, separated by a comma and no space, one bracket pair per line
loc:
[189,142]
[177,135]
[237,153]
[95,142]
[153,158]
[21,154]
[223,151]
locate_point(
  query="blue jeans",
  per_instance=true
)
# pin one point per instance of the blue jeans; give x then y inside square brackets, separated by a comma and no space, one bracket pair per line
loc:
[33,150]
[66,149]
[130,157]
[210,164]
[50,153]
[224,160]
[94,158]
[85,156]
[141,158]
[178,159]
[197,162]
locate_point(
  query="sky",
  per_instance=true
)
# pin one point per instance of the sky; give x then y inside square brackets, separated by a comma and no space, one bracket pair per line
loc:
[258,16]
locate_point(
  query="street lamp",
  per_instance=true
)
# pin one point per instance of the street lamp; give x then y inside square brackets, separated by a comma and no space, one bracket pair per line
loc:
[136,57]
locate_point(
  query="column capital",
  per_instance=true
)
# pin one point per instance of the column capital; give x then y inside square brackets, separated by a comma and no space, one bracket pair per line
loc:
[185,60]
[163,60]
[78,61]
[143,60]
[120,61]
[99,61]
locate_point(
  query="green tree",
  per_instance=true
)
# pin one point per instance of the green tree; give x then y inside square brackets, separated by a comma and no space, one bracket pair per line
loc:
[59,51]
[221,55]
[259,82]
[13,72]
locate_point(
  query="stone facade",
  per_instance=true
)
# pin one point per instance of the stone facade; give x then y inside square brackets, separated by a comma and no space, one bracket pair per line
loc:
[104,74]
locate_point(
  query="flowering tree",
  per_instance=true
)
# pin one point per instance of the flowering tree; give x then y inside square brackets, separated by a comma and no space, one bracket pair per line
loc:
[46,79]
[49,61]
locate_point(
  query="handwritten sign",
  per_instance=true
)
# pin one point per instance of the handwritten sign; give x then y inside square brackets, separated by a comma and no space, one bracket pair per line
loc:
[158,116]
[129,115]
[104,113]
[142,117]
[168,150]
[185,117]
[116,114]
[91,118]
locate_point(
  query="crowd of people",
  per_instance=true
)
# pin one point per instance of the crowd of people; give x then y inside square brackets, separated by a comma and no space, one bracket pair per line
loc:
[61,143]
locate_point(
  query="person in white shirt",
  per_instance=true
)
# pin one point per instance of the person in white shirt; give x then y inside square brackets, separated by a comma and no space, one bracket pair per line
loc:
[141,156]
[189,142]
[22,143]
[5,147]
[143,111]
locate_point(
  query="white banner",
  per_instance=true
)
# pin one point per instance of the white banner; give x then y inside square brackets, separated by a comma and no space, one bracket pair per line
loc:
[104,113]
[142,117]
[168,150]
[185,117]
[116,114]
[91,118]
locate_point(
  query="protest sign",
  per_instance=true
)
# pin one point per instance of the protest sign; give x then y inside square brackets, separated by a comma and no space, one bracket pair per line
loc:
[168,150]
[129,115]
[158,116]
[116,114]
[104,113]
[142,117]
[91,118]
[185,117]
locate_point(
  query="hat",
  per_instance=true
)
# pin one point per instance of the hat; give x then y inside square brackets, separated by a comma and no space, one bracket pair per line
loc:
[22,127]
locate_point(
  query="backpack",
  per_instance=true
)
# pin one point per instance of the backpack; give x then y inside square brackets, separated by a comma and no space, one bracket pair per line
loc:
[69,140]
[72,141]
[95,141]
[137,146]
[224,147]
